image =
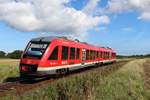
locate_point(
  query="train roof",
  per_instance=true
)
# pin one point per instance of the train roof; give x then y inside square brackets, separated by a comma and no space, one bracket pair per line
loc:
[44,39]
[50,38]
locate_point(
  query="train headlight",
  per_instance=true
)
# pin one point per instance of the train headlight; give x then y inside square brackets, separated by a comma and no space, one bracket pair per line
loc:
[24,68]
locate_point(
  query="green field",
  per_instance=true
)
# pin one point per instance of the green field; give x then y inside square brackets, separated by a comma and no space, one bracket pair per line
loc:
[126,83]
[8,69]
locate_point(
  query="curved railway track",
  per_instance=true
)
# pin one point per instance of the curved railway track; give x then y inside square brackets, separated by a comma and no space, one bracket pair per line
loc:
[22,86]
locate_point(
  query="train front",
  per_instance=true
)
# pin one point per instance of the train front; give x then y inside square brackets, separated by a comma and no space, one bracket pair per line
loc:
[31,57]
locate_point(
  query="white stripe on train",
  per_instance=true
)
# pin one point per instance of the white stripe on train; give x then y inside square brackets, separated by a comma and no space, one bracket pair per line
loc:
[52,70]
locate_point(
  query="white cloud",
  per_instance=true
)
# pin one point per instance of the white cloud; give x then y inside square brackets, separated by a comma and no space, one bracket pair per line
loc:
[119,6]
[49,16]
[144,16]
[127,29]
[91,6]
[101,29]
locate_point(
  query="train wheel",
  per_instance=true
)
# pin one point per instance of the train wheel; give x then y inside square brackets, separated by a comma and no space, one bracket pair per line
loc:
[63,71]
[67,71]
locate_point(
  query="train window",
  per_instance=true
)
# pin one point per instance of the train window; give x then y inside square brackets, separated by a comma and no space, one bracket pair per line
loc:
[64,53]
[94,55]
[35,50]
[108,55]
[97,54]
[104,55]
[77,53]
[54,55]
[101,54]
[72,53]
[87,54]
[91,54]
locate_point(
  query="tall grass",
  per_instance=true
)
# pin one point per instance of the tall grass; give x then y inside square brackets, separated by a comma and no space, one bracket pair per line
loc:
[126,83]
[8,69]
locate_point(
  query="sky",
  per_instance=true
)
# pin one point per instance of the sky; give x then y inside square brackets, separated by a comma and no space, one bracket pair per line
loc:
[120,24]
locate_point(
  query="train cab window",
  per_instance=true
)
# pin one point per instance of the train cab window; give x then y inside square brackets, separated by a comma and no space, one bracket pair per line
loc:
[64,53]
[72,53]
[77,53]
[54,55]
[87,54]
[35,50]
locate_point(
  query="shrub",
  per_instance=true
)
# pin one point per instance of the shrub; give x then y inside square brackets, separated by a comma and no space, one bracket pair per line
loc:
[2,54]
[15,54]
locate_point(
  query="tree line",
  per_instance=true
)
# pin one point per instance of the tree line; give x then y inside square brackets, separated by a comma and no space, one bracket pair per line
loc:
[13,55]
[16,54]
[134,56]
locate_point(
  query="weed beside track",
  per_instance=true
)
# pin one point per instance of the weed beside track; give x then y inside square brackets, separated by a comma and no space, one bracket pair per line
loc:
[147,74]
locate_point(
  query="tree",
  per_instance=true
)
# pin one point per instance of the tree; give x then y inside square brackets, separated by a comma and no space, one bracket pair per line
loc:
[15,54]
[2,54]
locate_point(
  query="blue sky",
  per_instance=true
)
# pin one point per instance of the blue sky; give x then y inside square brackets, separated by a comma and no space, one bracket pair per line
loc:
[125,32]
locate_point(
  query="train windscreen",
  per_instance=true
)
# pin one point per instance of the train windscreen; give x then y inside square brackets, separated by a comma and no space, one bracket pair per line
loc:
[35,50]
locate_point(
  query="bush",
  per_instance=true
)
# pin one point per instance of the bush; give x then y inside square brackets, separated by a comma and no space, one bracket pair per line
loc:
[15,54]
[2,54]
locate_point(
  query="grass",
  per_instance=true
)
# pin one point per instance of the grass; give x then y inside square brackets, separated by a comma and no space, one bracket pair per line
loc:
[8,68]
[127,83]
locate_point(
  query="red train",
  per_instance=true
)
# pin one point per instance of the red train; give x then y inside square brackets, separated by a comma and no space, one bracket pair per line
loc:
[57,55]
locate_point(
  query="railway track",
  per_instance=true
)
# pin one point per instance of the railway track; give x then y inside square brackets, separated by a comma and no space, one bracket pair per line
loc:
[22,86]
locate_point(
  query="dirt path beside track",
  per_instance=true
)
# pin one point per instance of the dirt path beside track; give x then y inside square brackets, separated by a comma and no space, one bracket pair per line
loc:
[9,61]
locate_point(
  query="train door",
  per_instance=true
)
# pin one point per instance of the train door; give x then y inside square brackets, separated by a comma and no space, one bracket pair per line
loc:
[64,55]
[72,56]
[83,56]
